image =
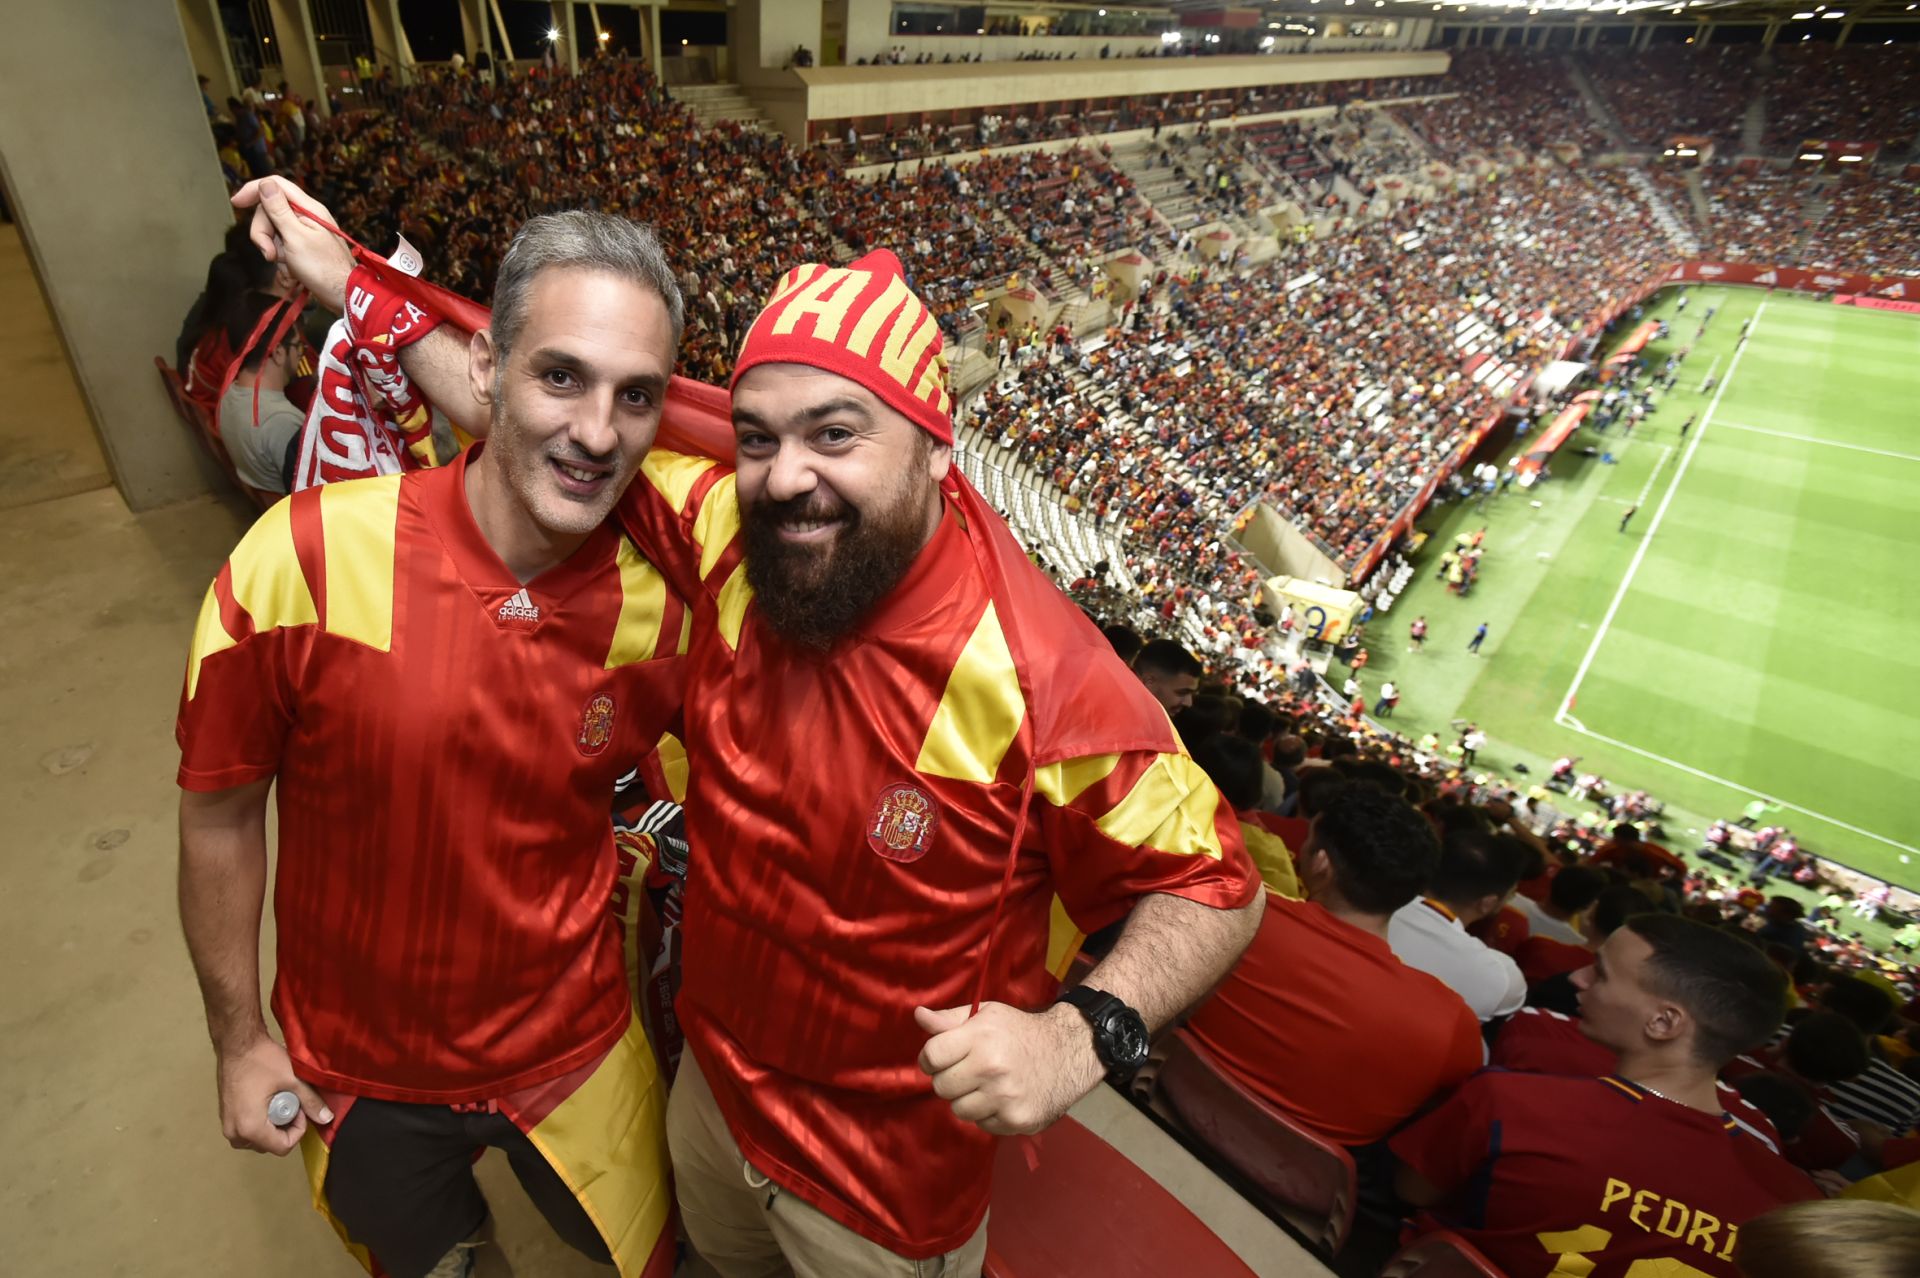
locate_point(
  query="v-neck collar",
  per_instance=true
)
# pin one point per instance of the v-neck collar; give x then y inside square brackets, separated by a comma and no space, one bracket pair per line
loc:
[443,496]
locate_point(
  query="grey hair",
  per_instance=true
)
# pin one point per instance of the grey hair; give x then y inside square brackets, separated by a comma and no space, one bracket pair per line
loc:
[579,238]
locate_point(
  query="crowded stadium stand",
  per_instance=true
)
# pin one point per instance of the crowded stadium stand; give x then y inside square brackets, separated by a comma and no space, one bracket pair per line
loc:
[1230,337]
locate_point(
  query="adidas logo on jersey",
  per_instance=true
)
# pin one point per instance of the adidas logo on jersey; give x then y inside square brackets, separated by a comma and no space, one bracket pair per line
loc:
[519,608]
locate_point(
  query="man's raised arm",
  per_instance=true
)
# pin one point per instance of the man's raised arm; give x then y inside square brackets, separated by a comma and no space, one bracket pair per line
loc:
[321,261]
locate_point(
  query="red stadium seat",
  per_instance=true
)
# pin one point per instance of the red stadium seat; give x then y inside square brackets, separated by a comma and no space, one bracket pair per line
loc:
[1294,1172]
[1079,1206]
[201,424]
[1442,1255]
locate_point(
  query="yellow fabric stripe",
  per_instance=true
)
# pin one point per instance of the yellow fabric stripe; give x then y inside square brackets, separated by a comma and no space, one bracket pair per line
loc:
[608,1142]
[733,601]
[1061,783]
[673,475]
[359,521]
[315,1154]
[643,605]
[1063,940]
[209,637]
[717,524]
[980,711]
[267,581]
[673,762]
[1272,859]
[1170,808]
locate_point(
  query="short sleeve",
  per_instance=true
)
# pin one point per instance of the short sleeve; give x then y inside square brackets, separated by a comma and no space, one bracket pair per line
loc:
[255,626]
[1448,1144]
[1117,827]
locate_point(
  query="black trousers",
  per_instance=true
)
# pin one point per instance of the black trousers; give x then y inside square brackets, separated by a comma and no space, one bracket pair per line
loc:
[400,1178]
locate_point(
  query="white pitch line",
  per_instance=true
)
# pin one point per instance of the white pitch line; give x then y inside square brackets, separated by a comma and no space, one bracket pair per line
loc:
[1830,443]
[1640,553]
[1666,450]
[1566,720]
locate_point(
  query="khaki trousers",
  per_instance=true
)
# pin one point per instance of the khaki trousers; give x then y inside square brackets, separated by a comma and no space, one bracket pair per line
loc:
[745,1226]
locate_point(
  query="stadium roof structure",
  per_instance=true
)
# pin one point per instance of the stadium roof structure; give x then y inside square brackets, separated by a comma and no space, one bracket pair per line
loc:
[1718,10]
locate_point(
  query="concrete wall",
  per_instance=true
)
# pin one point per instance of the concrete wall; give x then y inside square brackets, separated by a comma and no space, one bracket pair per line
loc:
[867,28]
[207,45]
[762,35]
[840,92]
[1283,550]
[120,201]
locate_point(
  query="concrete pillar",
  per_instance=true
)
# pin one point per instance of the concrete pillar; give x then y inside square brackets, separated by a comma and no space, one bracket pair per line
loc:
[869,28]
[119,262]
[500,24]
[569,50]
[207,47]
[1704,35]
[599,45]
[1846,29]
[473,27]
[1773,33]
[298,51]
[390,47]
[653,43]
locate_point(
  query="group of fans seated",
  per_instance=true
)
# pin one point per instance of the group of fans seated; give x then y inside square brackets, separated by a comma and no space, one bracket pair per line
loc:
[1708,1058]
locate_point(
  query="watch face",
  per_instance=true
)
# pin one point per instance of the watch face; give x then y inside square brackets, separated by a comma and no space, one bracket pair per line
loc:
[1127,1038]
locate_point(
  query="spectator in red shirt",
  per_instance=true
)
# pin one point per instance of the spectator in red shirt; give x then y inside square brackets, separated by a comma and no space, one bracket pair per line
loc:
[1824,1048]
[1319,1017]
[1551,1175]
[1629,851]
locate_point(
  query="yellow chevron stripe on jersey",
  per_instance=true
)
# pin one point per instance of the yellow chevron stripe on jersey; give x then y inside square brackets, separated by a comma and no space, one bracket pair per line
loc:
[717,524]
[733,601]
[979,712]
[673,475]
[267,582]
[673,765]
[359,520]
[1063,939]
[643,606]
[1061,783]
[209,637]
[1171,807]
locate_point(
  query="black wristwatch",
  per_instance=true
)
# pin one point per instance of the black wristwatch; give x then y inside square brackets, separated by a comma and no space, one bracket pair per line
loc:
[1119,1035]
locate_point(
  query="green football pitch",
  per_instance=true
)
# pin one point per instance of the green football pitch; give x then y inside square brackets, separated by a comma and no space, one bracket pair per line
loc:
[1751,631]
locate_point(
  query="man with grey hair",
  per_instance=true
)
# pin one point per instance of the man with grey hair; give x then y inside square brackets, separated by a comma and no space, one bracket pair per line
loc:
[445,672]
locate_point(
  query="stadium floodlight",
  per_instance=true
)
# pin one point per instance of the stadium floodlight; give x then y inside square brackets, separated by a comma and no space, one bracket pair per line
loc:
[1813,155]
[553,35]
[1686,150]
[1852,159]
[1267,43]
[606,35]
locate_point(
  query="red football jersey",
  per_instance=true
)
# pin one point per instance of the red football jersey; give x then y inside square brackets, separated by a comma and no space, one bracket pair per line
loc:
[1327,1024]
[1550,1175]
[1503,930]
[1537,1041]
[446,742]
[850,816]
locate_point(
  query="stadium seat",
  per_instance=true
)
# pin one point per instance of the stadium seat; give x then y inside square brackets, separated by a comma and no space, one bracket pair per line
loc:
[1066,1202]
[1293,1172]
[201,425]
[1442,1255]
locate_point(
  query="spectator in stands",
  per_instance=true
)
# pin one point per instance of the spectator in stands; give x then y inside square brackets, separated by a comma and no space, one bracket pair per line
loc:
[1549,964]
[1883,1094]
[1170,673]
[1319,1017]
[1653,1169]
[1634,854]
[1235,765]
[1569,894]
[1125,640]
[1822,1048]
[259,426]
[1476,874]
[1837,1238]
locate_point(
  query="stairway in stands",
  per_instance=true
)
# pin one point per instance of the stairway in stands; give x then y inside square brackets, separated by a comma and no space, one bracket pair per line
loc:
[712,103]
[1596,104]
[1753,125]
[1676,228]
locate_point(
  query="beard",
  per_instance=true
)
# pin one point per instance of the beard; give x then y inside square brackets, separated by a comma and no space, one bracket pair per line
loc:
[814,593]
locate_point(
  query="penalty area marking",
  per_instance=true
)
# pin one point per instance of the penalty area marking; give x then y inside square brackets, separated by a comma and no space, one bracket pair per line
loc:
[1830,443]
